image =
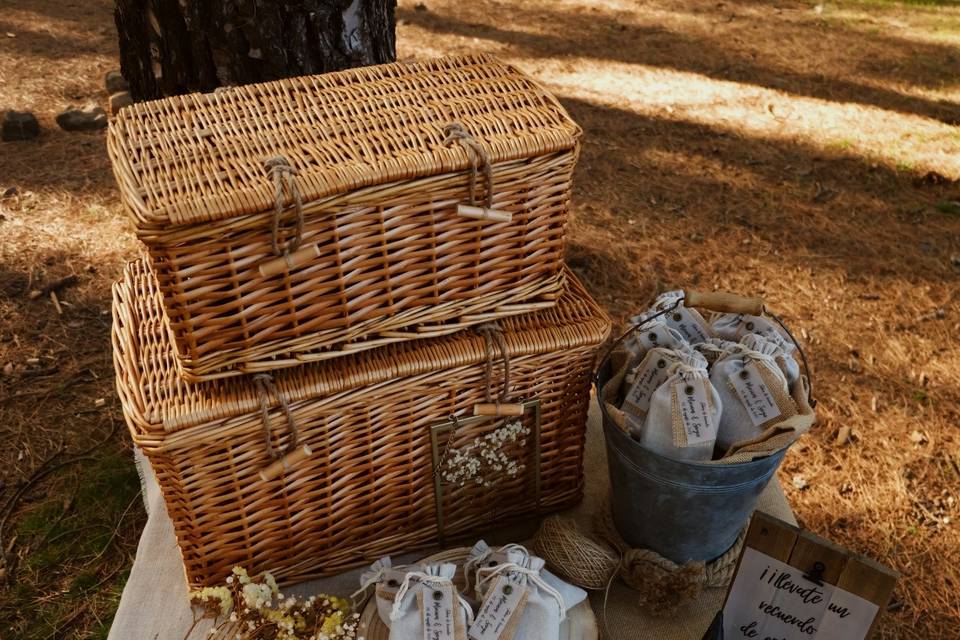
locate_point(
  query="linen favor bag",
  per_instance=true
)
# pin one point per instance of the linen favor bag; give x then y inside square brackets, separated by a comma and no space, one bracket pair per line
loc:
[650,334]
[684,415]
[754,390]
[686,321]
[386,580]
[642,381]
[734,326]
[427,604]
[519,598]
[781,350]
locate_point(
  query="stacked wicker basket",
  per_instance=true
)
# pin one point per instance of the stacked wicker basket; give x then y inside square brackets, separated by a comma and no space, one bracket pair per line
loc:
[348,276]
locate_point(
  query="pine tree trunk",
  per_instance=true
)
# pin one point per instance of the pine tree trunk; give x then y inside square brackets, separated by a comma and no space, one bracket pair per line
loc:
[168,47]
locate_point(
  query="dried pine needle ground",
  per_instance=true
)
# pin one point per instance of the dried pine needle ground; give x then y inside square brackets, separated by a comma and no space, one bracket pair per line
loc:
[780,149]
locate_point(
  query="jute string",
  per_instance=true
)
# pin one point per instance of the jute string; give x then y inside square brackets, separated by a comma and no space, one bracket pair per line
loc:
[282,173]
[266,388]
[454,132]
[574,556]
[493,337]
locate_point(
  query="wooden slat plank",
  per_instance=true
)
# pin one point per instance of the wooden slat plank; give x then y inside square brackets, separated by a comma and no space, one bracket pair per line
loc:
[811,549]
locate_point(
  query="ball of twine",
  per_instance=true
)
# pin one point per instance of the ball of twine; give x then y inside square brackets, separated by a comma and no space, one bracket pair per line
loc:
[574,556]
[661,586]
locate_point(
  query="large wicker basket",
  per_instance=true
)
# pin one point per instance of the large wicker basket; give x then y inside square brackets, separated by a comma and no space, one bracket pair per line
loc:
[376,423]
[389,163]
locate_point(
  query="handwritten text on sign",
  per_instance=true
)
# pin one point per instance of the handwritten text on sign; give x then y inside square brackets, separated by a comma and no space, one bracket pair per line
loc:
[770,600]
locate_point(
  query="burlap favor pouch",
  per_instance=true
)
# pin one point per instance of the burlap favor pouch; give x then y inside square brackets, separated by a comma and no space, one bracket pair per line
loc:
[428,606]
[754,391]
[519,598]
[642,381]
[684,415]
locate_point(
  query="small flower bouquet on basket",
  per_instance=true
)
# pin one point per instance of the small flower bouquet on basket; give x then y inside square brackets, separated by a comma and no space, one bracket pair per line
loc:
[486,458]
[254,609]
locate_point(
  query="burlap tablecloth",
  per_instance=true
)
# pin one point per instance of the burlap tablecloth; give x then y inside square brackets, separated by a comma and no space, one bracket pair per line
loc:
[155,605]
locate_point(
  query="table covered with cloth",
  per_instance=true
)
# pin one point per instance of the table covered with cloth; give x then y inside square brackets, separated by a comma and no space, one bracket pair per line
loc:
[155,604]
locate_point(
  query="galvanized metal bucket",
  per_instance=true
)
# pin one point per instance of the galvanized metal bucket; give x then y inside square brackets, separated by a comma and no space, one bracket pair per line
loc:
[685,511]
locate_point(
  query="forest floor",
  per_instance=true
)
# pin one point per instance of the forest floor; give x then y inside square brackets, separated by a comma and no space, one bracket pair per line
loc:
[804,152]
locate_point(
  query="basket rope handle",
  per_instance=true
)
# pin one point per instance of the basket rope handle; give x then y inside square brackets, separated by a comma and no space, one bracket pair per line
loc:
[292,454]
[479,160]
[282,173]
[501,406]
[454,132]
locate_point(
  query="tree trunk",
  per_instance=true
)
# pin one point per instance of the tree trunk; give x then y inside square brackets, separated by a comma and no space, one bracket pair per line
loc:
[169,47]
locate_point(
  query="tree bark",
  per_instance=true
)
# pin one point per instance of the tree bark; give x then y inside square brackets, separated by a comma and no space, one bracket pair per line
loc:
[169,47]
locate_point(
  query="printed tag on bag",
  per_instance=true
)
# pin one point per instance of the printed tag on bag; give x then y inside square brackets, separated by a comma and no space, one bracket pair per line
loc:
[505,598]
[754,394]
[689,327]
[766,329]
[646,379]
[437,611]
[694,412]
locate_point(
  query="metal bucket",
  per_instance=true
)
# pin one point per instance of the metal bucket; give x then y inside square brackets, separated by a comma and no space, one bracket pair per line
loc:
[685,511]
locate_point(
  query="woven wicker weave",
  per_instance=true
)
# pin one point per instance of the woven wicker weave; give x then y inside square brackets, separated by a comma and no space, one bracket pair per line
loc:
[383,255]
[368,488]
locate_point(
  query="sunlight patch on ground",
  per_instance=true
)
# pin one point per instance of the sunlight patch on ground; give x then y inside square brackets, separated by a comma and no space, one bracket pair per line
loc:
[896,139]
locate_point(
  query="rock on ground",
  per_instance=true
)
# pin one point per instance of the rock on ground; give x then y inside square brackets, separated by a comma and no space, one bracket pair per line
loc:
[120,100]
[87,118]
[19,125]
[115,82]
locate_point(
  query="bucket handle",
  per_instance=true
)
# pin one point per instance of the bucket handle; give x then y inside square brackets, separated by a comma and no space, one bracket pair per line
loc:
[722,302]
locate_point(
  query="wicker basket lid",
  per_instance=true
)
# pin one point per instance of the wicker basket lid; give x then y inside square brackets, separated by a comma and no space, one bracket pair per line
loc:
[157,400]
[200,157]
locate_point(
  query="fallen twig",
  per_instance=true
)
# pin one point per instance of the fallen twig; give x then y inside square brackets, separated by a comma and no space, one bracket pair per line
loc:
[57,285]
[116,530]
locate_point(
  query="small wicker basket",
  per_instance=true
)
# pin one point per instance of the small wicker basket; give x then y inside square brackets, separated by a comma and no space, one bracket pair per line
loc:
[313,217]
[330,465]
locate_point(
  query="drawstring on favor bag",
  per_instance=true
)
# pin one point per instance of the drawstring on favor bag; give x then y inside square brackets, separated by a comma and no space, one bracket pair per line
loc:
[532,576]
[429,580]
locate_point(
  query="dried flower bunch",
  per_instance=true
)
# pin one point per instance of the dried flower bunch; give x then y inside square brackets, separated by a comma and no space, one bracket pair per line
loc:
[485,458]
[255,609]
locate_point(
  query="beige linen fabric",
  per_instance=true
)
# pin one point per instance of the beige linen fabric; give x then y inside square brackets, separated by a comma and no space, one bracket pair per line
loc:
[155,605]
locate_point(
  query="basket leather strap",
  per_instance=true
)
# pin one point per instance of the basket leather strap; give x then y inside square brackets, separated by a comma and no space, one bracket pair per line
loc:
[282,173]
[454,132]
[266,388]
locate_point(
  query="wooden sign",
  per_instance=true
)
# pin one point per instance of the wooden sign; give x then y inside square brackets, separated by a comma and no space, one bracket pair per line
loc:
[793,585]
